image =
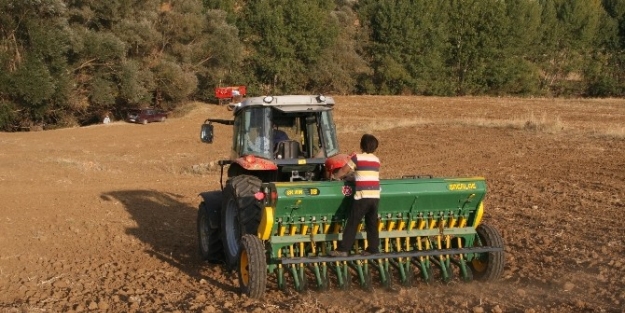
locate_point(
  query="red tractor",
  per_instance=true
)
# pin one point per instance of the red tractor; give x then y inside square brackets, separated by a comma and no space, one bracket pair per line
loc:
[275,139]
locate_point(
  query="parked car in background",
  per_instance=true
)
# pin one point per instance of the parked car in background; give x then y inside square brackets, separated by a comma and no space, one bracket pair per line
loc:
[145,116]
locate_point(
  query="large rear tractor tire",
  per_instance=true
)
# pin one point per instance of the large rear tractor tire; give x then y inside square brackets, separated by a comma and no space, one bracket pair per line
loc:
[209,228]
[488,266]
[252,267]
[240,214]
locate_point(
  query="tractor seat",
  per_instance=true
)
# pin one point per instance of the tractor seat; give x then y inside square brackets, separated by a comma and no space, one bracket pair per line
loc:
[288,149]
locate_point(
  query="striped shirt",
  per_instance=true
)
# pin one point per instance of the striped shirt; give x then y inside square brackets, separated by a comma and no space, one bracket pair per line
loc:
[366,168]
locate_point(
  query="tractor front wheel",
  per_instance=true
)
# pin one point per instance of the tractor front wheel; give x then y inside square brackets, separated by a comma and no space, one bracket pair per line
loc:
[488,266]
[252,267]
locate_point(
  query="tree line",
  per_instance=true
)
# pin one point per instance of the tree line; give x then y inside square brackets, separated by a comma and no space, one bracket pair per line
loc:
[67,62]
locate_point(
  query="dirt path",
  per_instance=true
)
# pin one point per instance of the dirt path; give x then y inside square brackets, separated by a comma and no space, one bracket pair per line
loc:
[102,218]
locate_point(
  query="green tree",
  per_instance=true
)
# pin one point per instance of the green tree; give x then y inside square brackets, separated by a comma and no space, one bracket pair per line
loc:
[227,6]
[570,34]
[478,44]
[95,58]
[105,38]
[511,70]
[173,84]
[181,25]
[391,25]
[220,57]
[136,83]
[605,71]
[33,43]
[286,41]
[340,65]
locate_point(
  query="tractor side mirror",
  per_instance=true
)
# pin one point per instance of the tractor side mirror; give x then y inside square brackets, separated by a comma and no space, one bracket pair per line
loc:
[206,133]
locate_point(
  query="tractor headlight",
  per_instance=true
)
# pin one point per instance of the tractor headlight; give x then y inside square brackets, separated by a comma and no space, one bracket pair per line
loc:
[321,98]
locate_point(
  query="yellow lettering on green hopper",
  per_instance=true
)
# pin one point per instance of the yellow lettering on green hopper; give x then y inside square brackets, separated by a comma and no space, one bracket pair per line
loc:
[462,186]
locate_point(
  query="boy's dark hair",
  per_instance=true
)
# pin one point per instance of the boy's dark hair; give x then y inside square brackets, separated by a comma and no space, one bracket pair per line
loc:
[368,143]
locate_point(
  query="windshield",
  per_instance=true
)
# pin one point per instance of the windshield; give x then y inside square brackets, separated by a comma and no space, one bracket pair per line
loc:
[261,131]
[313,132]
[252,133]
[328,130]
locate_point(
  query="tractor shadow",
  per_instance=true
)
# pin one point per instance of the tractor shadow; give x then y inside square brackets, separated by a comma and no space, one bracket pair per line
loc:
[168,227]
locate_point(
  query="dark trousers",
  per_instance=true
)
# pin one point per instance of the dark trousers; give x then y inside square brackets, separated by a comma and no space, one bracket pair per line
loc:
[367,208]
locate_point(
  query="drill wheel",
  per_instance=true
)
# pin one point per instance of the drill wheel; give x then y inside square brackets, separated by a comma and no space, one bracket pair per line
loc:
[252,267]
[488,266]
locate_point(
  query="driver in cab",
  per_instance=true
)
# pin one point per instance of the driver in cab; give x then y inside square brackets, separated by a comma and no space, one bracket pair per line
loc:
[256,142]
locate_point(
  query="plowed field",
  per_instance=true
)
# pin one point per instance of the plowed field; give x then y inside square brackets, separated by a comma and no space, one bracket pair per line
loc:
[103,218]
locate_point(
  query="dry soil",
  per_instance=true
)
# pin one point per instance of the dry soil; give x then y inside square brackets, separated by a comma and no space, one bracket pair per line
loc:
[103,218]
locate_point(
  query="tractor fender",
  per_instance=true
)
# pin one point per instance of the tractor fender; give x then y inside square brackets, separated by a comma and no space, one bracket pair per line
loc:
[213,200]
[334,163]
[254,163]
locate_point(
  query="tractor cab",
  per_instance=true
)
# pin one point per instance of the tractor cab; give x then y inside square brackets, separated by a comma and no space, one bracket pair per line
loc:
[281,138]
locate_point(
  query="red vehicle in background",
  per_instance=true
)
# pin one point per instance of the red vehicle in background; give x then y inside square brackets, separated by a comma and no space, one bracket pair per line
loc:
[230,94]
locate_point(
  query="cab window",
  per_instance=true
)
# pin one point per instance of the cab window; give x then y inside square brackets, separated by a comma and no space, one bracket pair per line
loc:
[252,133]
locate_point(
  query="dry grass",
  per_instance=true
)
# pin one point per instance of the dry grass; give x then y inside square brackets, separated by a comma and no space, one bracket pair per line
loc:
[529,123]
[201,169]
[77,164]
[596,118]
[610,133]
[185,109]
[382,124]
[195,169]
[544,124]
